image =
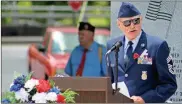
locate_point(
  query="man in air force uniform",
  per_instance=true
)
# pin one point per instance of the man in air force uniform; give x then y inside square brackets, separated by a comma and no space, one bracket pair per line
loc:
[144,61]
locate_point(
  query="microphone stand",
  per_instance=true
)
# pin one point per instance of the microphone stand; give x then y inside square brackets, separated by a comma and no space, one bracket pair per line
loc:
[116,90]
[109,70]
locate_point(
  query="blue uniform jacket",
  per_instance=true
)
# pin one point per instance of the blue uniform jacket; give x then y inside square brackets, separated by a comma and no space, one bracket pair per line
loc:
[94,67]
[155,81]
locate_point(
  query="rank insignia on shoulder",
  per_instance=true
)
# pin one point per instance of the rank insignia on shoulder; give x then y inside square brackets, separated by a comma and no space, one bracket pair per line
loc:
[170,64]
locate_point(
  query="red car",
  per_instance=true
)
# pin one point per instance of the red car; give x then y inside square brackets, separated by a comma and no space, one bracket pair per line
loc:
[51,57]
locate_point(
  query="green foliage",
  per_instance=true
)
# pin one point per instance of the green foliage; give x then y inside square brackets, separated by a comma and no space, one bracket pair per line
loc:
[10,96]
[100,22]
[66,21]
[7,20]
[16,74]
[52,83]
[70,96]
[24,4]
[28,77]
[99,3]
[49,2]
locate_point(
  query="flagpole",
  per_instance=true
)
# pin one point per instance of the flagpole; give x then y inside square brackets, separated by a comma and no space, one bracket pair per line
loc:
[82,12]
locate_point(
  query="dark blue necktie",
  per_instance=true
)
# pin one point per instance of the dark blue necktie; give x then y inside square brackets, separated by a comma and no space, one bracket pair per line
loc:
[128,53]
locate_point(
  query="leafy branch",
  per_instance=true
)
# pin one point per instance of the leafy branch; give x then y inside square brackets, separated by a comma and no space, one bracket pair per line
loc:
[10,96]
[70,96]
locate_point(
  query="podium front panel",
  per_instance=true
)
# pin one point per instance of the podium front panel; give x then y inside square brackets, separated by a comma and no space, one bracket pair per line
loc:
[91,90]
[91,97]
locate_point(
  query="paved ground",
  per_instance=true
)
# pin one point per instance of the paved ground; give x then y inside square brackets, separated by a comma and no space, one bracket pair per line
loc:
[20,39]
[14,58]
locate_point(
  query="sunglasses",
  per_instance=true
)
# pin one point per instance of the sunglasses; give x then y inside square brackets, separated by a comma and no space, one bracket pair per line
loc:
[128,22]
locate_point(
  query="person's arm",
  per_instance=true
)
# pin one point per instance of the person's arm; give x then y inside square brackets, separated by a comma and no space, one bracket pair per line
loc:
[166,79]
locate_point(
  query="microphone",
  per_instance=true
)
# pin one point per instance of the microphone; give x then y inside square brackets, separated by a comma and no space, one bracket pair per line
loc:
[115,46]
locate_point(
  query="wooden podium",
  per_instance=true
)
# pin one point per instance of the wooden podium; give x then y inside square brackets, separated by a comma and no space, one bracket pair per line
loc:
[91,90]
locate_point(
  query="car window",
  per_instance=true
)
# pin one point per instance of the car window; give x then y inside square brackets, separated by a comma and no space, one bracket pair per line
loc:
[66,42]
[101,39]
[63,42]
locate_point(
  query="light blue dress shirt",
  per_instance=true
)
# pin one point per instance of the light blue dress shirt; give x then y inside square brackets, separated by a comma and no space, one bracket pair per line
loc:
[135,42]
[93,67]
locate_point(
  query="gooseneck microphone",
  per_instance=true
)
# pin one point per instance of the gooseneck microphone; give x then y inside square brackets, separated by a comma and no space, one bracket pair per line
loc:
[115,46]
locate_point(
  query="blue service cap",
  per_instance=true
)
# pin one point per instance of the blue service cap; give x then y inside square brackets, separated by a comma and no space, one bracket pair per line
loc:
[127,10]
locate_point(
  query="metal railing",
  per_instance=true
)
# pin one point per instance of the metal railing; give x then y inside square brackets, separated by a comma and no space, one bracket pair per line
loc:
[51,13]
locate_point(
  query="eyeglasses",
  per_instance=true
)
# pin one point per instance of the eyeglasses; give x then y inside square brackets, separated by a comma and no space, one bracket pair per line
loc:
[128,22]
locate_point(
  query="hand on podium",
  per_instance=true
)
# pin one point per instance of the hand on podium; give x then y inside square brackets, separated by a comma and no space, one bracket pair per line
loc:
[138,100]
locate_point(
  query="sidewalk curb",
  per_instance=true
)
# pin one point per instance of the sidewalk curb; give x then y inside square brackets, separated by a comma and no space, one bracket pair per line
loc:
[21,39]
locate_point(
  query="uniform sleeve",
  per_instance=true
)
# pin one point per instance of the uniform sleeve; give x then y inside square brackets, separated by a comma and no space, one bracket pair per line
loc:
[68,68]
[166,79]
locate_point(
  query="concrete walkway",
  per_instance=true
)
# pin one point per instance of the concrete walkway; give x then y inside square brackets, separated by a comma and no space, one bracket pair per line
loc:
[21,39]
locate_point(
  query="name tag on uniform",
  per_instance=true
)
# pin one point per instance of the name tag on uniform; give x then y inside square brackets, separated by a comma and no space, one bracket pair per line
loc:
[144,59]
